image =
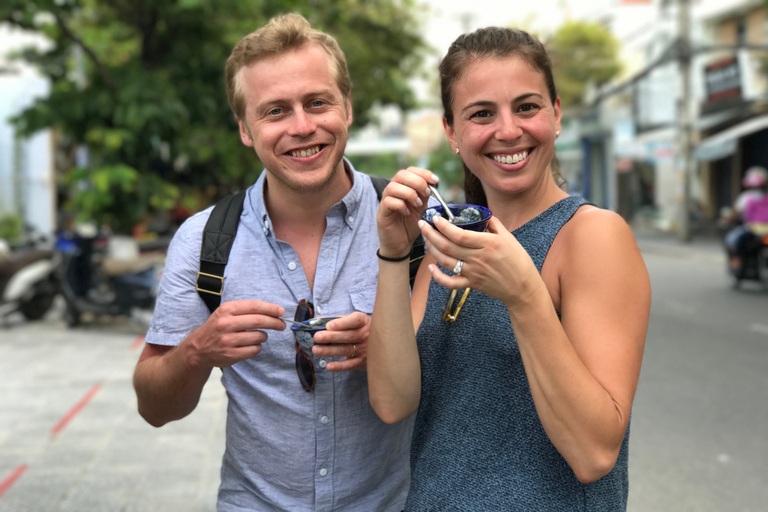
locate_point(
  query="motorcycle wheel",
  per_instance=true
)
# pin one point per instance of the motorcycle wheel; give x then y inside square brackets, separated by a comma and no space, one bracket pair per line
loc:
[36,307]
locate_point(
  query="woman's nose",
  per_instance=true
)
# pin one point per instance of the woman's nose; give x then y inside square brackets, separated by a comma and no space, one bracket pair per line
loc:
[508,127]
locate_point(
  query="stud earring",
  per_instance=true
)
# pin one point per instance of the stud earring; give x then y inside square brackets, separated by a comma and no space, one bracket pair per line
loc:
[557,133]
[456,151]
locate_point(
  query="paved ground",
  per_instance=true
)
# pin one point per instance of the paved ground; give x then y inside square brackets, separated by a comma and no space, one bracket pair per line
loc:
[70,436]
[71,439]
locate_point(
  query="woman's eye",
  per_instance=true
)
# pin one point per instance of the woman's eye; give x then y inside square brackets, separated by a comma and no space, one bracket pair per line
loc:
[481,114]
[528,107]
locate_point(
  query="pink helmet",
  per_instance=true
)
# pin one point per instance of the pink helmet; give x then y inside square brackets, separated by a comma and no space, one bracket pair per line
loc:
[755,177]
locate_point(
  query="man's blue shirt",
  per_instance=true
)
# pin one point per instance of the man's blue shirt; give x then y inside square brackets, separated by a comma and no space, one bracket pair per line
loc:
[288,449]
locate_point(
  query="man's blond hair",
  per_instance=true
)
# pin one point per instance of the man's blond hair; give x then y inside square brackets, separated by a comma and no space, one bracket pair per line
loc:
[282,33]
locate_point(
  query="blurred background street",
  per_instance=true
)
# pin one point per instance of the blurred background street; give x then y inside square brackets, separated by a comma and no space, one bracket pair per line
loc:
[115,129]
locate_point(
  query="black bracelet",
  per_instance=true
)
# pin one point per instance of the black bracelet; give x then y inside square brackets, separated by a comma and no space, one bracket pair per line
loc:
[402,258]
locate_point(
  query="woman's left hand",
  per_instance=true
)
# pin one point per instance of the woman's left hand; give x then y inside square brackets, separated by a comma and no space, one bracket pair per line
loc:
[494,262]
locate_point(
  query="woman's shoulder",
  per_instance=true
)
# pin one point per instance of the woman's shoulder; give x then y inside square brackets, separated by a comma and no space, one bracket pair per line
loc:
[593,235]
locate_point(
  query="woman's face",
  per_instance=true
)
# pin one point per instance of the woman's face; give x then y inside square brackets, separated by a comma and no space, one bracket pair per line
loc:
[504,123]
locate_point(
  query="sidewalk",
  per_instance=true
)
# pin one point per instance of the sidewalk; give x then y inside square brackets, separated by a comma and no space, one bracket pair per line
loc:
[70,435]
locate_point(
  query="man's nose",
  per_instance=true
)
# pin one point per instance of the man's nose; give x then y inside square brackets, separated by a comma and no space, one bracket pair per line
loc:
[302,124]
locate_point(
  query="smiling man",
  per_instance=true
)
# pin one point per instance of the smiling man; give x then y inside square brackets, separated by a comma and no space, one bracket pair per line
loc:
[301,434]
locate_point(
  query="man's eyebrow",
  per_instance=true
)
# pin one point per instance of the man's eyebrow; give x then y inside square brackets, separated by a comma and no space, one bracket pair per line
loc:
[485,103]
[282,101]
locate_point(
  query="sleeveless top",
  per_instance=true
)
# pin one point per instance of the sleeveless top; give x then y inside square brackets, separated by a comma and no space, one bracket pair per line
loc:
[478,443]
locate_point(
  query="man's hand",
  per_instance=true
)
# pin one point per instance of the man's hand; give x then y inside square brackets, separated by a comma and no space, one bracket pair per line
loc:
[233,333]
[345,337]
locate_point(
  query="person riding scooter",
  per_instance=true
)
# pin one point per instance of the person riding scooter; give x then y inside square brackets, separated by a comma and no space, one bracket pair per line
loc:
[751,209]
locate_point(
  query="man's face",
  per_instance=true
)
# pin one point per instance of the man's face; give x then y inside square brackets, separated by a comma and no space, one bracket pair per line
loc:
[296,118]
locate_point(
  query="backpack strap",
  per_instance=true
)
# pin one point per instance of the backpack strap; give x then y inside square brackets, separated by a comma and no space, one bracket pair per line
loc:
[218,235]
[417,249]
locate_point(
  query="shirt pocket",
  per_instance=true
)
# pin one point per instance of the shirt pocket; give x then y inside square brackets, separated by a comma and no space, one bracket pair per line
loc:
[363,297]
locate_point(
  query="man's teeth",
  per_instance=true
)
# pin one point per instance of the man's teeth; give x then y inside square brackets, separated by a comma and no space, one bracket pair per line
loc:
[510,159]
[306,152]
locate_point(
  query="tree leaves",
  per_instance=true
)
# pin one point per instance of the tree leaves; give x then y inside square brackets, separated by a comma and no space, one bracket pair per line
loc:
[140,84]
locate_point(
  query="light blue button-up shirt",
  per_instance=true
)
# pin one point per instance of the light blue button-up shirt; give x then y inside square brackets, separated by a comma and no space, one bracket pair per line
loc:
[287,449]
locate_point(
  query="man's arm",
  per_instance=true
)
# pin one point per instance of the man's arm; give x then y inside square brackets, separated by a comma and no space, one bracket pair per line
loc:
[169,380]
[166,388]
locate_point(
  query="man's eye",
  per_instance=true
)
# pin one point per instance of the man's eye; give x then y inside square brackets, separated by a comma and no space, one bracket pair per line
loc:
[275,111]
[318,103]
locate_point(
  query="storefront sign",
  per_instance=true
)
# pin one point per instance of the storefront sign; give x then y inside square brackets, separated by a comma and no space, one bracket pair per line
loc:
[723,79]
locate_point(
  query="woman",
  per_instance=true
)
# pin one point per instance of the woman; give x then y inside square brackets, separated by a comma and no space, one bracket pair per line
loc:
[524,399]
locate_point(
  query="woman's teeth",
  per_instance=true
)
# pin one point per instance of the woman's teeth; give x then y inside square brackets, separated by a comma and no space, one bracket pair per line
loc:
[305,152]
[510,159]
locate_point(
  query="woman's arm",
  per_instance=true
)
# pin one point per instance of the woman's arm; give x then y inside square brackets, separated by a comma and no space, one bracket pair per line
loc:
[583,370]
[394,371]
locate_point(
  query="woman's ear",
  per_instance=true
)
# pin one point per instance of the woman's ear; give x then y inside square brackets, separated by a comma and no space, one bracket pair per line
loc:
[450,134]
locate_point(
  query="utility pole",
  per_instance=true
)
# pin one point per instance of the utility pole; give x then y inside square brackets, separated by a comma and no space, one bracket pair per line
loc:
[685,119]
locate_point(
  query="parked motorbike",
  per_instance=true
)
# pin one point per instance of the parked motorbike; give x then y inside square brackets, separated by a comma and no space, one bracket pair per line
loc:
[96,280]
[28,280]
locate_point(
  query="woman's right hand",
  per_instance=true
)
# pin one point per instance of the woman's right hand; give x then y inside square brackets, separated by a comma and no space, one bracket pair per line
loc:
[400,209]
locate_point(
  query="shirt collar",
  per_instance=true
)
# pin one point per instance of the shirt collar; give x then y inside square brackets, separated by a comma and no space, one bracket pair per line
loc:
[348,204]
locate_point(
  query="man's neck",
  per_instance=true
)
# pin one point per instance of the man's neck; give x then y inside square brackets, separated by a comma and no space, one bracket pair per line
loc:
[304,211]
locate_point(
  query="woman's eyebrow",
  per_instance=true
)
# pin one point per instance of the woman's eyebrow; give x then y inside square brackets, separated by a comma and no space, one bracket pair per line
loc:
[485,103]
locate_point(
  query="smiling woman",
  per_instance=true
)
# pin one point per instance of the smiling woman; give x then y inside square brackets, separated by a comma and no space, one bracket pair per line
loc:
[523,390]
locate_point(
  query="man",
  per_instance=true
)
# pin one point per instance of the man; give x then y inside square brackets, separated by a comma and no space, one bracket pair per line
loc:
[307,231]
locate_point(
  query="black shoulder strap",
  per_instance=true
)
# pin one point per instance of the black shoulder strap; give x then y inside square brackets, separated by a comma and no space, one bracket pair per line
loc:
[417,249]
[220,231]
[218,235]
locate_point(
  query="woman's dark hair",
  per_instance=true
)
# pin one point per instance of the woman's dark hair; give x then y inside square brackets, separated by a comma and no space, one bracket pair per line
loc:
[491,42]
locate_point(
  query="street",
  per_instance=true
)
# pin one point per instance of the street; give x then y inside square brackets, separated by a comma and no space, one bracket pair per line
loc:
[71,439]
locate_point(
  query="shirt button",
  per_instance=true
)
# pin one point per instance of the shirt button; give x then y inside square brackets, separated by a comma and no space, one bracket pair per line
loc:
[324,420]
[323,472]
[292,266]
[350,219]
[323,362]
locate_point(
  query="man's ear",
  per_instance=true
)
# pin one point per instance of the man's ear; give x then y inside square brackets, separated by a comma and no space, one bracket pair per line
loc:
[350,117]
[245,136]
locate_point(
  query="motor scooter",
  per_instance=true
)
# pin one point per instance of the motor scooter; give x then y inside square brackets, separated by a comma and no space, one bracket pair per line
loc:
[95,281]
[28,279]
[754,263]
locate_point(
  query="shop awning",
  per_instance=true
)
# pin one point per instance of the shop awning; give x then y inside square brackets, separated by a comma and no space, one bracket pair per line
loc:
[722,144]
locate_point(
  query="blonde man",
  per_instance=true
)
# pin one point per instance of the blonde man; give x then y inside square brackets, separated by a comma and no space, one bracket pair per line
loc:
[306,236]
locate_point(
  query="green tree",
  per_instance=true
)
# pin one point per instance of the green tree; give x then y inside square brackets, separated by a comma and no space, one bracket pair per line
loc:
[139,83]
[582,53]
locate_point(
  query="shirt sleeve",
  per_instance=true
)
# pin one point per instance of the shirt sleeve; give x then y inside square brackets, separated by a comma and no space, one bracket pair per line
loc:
[178,307]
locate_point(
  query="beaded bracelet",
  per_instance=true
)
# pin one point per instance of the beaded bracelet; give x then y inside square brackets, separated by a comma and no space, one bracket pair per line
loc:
[402,258]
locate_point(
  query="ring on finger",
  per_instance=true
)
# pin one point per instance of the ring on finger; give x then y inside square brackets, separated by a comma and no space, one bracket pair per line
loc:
[354,350]
[458,267]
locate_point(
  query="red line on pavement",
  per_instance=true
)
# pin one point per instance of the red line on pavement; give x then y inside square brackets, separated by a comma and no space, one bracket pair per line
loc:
[15,475]
[76,409]
[138,341]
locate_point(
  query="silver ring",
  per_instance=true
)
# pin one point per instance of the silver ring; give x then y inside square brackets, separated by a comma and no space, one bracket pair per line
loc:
[458,267]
